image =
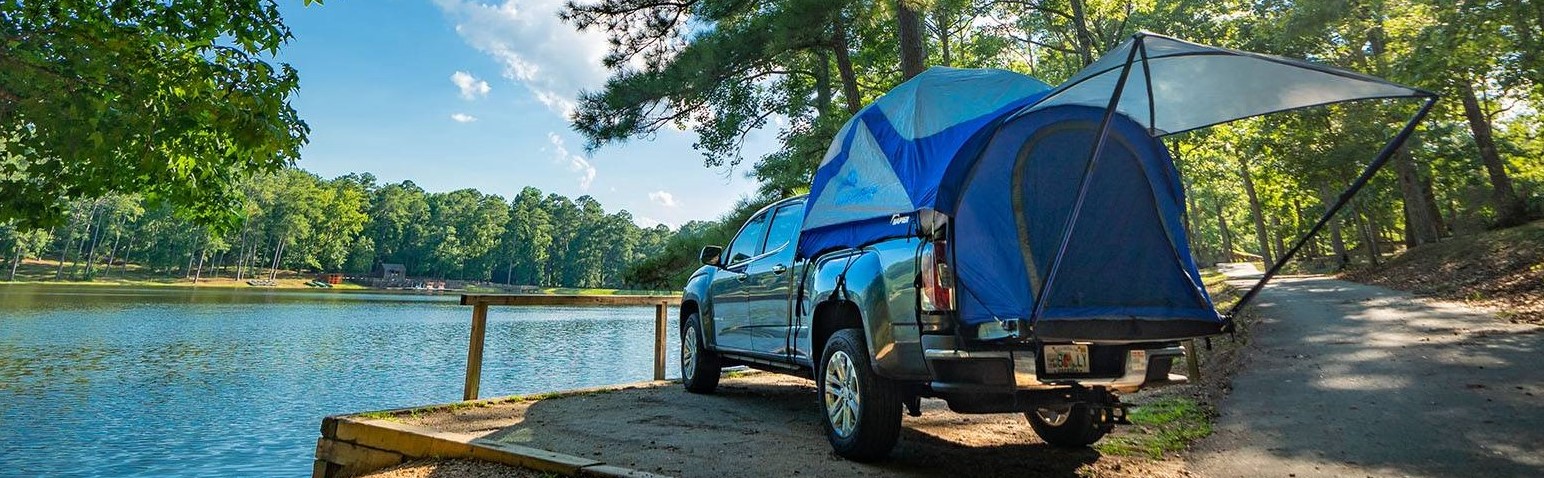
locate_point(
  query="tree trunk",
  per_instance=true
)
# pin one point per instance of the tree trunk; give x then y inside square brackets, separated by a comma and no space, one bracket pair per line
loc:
[198,271]
[192,251]
[112,253]
[910,39]
[1337,237]
[1085,39]
[1420,225]
[96,238]
[1281,246]
[278,257]
[1433,211]
[822,81]
[127,249]
[1375,235]
[1369,240]
[1509,208]
[1190,230]
[1261,236]
[69,233]
[944,27]
[844,67]
[15,262]
[80,249]
[1338,245]
[1227,236]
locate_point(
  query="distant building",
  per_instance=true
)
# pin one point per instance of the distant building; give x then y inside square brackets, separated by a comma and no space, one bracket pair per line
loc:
[391,271]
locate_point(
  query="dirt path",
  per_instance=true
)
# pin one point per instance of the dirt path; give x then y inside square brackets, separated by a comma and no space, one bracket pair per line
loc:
[1346,379]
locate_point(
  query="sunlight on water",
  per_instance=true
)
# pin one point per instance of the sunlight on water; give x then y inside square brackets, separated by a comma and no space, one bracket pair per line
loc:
[148,382]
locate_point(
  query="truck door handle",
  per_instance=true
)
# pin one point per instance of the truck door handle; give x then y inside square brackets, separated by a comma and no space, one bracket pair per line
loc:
[741,277]
[779,269]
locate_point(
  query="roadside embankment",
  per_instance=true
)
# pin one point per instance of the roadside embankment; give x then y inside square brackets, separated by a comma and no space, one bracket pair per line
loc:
[1501,269]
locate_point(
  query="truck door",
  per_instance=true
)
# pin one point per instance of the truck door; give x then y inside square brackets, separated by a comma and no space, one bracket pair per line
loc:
[769,284]
[731,327]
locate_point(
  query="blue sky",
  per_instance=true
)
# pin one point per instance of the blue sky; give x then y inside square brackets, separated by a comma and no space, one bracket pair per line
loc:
[458,94]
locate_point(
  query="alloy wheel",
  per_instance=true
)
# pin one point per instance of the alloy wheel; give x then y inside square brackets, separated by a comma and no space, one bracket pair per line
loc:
[843,402]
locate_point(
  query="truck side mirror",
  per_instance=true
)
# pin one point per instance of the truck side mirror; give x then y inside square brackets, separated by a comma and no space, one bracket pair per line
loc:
[710,255]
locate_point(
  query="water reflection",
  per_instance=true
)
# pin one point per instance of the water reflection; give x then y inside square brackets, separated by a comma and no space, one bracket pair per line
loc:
[176,382]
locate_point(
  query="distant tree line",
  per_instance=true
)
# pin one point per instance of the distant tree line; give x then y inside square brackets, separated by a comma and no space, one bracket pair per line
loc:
[297,221]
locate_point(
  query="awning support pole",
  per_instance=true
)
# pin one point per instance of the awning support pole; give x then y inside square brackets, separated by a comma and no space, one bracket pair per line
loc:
[1088,175]
[1356,186]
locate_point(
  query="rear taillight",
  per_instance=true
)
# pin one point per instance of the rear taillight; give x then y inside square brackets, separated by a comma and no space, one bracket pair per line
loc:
[937,279]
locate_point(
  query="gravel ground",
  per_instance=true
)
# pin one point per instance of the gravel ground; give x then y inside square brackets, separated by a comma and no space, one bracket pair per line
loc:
[454,469]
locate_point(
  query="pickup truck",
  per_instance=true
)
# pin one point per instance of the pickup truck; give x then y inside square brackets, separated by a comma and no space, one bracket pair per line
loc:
[875,327]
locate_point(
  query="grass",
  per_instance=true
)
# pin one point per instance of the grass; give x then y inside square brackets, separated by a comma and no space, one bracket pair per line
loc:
[1167,424]
[1167,420]
[385,416]
[588,291]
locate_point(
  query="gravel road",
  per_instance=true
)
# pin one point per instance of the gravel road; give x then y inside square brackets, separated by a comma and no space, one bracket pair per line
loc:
[1346,379]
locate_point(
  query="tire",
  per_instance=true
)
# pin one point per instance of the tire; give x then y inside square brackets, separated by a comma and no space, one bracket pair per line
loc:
[1074,426]
[700,368]
[862,410]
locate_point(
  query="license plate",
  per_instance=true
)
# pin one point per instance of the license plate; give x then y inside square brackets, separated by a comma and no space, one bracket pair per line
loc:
[1066,358]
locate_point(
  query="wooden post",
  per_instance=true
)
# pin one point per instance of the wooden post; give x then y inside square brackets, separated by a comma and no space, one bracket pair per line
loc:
[474,351]
[1192,361]
[661,311]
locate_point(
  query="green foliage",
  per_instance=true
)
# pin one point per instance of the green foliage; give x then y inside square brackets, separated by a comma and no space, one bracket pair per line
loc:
[294,220]
[169,100]
[674,262]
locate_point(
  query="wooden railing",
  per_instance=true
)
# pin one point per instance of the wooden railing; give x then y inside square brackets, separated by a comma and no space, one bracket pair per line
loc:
[480,303]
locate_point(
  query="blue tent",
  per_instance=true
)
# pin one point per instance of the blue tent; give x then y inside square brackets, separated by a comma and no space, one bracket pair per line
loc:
[1070,187]
[949,140]
[887,161]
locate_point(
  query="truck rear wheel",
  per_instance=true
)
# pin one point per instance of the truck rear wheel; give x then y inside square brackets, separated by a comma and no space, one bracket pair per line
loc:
[700,368]
[1068,426]
[862,410]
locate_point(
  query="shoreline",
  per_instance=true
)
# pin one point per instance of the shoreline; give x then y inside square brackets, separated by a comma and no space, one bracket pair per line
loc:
[298,285]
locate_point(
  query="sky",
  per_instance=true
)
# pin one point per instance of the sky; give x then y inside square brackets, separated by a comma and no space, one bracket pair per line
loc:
[454,94]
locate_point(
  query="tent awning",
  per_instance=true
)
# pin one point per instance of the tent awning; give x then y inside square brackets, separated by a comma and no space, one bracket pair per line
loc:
[1177,86]
[1170,86]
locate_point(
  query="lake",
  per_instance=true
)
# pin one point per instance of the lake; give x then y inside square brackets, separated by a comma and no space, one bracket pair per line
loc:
[112,381]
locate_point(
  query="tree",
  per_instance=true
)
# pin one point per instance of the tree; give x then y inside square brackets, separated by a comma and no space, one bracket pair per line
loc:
[172,100]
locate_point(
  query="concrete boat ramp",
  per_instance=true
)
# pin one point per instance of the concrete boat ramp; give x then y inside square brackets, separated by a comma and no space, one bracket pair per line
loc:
[757,424]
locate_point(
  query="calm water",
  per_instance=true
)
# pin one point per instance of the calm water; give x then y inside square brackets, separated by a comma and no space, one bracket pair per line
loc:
[158,382]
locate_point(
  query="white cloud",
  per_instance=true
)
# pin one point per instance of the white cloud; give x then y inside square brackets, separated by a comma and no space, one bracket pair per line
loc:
[537,49]
[663,198]
[471,87]
[649,222]
[463,118]
[575,162]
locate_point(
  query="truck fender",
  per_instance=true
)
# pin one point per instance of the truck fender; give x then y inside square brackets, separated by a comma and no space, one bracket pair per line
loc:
[695,298]
[850,283]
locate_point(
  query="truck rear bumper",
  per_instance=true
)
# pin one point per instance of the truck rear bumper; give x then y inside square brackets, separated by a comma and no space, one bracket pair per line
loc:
[1011,371]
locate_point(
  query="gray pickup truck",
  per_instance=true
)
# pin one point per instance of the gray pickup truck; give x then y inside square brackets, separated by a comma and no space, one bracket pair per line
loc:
[979,237]
[875,327]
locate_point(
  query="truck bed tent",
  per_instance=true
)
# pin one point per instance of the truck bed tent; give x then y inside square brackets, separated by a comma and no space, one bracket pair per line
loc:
[1127,274]
[1068,194]
[889,158]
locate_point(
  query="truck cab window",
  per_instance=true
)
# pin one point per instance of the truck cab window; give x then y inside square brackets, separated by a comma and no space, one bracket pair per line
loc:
[748,243]
[785,226]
